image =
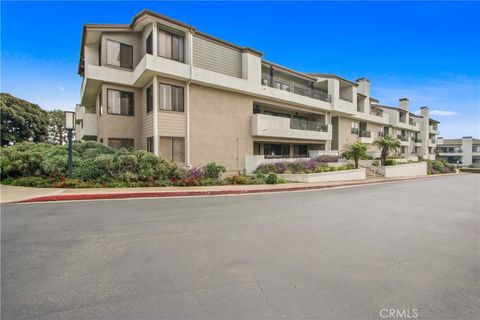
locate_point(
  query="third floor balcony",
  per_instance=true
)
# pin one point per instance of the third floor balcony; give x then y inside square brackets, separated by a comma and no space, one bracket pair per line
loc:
[294,87]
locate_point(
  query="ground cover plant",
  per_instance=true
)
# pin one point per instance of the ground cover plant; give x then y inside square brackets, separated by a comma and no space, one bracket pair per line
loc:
[314,165]
[95,165]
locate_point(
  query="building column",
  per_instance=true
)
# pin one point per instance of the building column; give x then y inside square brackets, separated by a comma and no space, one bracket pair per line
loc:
[156,141]
[154,39]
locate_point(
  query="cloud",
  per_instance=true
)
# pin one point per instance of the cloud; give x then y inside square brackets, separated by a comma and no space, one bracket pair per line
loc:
[61,88]
[442,113]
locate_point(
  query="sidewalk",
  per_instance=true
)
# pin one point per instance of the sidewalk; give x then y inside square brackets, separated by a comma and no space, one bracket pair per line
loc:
[12,194]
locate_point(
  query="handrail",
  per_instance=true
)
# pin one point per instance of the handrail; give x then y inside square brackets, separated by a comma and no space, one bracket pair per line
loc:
[294,88]
[365,134]
[309,125]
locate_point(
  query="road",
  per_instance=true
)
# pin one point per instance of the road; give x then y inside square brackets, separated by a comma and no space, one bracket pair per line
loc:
[329,254]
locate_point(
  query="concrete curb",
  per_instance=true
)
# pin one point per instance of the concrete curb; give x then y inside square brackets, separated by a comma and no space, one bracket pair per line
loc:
[186,193]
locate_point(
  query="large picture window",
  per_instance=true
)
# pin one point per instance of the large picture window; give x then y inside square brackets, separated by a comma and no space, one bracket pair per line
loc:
[170,45]
[119,54]
[173,149]
[171,98]
[120,102]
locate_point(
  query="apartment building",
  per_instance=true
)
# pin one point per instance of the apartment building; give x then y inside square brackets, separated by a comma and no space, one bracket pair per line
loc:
[464,151]
[161,85]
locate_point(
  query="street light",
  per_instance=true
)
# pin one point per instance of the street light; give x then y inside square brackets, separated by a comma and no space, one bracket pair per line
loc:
[69,125]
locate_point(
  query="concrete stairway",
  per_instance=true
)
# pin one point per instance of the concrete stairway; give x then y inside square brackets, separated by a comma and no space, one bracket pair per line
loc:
[371,170]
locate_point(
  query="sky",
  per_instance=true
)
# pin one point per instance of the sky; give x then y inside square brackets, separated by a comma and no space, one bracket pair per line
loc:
[428,52]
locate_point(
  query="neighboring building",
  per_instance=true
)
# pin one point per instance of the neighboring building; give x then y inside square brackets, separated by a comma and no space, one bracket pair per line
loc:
[465,151]
[161,85]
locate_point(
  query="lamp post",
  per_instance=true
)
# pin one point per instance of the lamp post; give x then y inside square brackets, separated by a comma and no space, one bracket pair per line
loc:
[69,125]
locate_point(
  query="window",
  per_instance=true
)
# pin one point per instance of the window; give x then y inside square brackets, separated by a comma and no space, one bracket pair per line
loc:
[380,131]
[149,44]
[149,98]
[100,103]
[150,144]
[119,54]
[170,46]
[277,150]
[354,127]
[173,149]
[256,148]
[120,102]
[117,143]
[171,98]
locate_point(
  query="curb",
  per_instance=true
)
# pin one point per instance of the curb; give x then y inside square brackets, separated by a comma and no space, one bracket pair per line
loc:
[167,194]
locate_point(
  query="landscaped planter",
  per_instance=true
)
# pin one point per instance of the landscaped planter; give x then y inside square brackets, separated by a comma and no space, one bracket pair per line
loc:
[404,170]
[342,175]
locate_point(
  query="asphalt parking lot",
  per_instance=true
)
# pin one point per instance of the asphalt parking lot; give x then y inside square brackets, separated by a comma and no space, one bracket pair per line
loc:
[344,253]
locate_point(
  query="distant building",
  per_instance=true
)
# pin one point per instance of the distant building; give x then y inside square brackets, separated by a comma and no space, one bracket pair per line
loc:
[464,151]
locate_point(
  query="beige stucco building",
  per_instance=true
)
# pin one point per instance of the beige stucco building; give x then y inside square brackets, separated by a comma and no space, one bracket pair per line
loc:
[464,151]
[161,85]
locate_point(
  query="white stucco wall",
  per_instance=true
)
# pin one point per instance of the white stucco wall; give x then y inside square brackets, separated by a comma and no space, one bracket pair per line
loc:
[342,175]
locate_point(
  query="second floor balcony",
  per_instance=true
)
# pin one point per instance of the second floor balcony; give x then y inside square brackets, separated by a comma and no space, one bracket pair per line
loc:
[264,125]
[294,87]
[402,138]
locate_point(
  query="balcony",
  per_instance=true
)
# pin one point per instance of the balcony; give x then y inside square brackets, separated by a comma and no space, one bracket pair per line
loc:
[432,142]
[433,129]
[376,113]
[86,123]
[402,138]
[277,127]
[365,136]
[293,87]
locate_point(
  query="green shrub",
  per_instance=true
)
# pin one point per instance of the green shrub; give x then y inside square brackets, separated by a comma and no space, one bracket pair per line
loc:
[212,170]
[390,162]
[438,166]
[271,178]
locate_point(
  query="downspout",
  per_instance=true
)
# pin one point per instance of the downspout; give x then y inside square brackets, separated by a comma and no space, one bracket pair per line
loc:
[190,55]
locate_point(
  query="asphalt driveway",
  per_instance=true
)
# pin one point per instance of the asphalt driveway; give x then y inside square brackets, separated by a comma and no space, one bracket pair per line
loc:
[330,254]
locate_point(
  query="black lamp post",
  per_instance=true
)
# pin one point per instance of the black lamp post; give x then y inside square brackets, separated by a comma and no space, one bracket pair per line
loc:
[69,125]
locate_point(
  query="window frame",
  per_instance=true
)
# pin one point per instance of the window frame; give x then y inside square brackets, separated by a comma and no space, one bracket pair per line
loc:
[171,97]
[149,99]
[181,45]
[354,127]
[121,114]
[121,139]
[130,67]
[172,151]
[149,43]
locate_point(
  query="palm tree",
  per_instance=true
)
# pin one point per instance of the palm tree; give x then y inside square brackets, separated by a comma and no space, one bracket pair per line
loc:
[355,151]
[386,144]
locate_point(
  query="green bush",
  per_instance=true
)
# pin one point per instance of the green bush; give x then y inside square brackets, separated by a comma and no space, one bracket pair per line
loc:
[271,178]
[212,170]
[438,165]
[390,162]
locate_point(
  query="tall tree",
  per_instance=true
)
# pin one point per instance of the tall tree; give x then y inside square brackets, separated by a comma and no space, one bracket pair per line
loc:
[56,133]
[22,120]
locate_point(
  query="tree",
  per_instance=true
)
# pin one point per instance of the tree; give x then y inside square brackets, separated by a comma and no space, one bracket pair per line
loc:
[56,133]
[355,151]
[386,144]
[21,120]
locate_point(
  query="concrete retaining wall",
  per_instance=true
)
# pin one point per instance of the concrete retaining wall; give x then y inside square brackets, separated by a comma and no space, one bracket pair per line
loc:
[342,175]
[405,170]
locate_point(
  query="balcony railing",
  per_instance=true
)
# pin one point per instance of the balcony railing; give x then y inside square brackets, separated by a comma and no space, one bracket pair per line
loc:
[411,122]
[376,113]
[433,140]
[346,99]
[308,125]
[365,134]
[418,140]
[402,138]
[294,88]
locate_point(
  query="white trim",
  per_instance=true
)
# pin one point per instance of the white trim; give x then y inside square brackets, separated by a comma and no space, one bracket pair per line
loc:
[155,116]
